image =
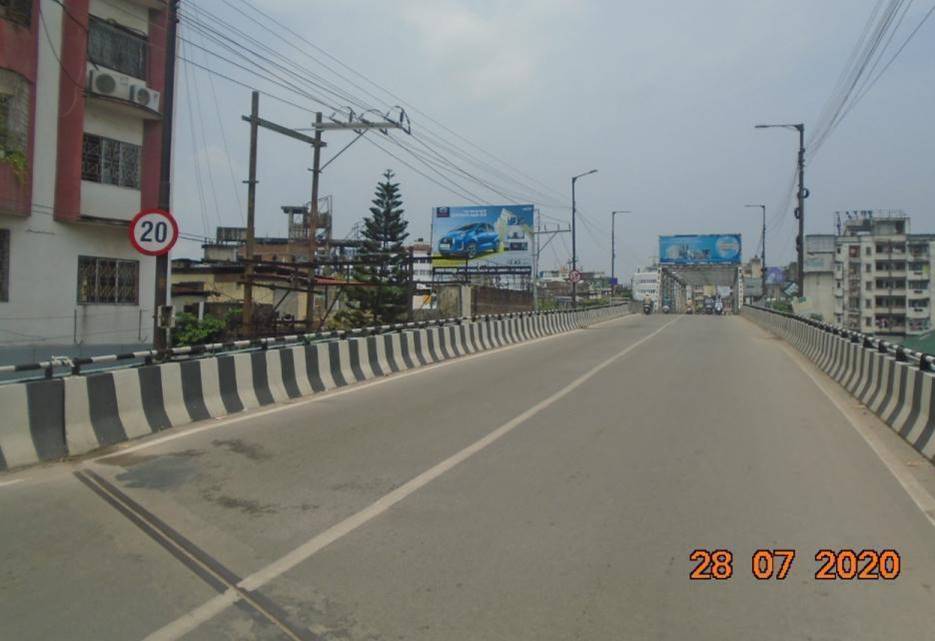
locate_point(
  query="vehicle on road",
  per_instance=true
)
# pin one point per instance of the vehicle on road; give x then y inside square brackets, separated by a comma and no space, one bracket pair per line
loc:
[470,241]
[719,307]
[709,305]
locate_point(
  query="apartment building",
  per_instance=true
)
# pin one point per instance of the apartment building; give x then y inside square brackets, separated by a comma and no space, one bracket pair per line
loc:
[80,146]
[882,276]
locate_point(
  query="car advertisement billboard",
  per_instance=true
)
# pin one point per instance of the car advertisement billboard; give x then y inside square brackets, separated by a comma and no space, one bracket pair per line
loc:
[491,239]
[708,249]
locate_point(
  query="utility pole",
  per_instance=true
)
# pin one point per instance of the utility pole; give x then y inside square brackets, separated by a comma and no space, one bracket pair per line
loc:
[161,335]
[763,254]
[251,218]
[800,213]
[313,228]
[613,249]
[538,247]
[803,193]
[574,248]
[249,271]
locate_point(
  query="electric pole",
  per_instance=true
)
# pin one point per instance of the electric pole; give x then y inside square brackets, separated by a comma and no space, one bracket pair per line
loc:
[251,218]
[800,213]
[313,229]
[803,193]
[161,293]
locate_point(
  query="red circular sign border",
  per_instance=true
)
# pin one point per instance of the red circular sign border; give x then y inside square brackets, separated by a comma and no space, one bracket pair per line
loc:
[172,221]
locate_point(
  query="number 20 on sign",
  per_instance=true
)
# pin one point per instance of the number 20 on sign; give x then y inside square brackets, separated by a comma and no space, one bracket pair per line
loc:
[153,232]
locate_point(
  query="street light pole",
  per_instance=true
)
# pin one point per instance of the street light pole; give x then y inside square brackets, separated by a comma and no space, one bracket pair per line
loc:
[763,254]
[574,249]
[802,195]
[613,248]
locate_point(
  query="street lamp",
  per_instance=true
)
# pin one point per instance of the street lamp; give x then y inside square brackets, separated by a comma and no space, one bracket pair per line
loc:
[763,254]
[574,251]
[803,194]
[613,248]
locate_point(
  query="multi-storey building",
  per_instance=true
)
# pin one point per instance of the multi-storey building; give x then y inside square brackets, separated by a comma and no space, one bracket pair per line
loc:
[80,145]
[882,276]
[645,283]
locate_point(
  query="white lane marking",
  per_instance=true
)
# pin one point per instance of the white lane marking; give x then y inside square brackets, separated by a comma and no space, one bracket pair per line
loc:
[190,621]
[923,500]
[13,482]
[322,396]
[178,628]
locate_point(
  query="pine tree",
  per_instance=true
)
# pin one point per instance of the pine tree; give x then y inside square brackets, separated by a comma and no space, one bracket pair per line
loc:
[385,298]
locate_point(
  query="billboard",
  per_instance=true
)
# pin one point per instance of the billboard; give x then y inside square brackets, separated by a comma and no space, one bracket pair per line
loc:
[775,276]
[708,249]
[484,239]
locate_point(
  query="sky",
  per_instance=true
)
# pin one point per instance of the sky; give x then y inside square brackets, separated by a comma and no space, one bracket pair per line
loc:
[660,97]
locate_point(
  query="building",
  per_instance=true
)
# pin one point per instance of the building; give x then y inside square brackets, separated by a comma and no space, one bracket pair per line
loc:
[882,275]
[421,266]
[80,146]
[819,277]
[645,283]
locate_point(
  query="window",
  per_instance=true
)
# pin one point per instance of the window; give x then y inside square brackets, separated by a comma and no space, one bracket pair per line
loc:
[4,265]
[868,250]
[117,48]
[16,11]
[867,268]
[108,280]
[868,286]
[111,162]
[867,303]
[14,112]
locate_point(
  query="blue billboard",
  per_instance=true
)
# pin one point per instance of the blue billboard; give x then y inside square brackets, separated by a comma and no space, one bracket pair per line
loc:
[706,249]
[776,276]
[485,238]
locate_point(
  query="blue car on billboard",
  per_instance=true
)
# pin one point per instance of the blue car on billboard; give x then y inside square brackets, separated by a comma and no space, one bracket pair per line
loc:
[469,241]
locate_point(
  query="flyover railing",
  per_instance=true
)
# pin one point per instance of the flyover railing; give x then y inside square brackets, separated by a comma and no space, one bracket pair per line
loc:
[924,360]
[75,365]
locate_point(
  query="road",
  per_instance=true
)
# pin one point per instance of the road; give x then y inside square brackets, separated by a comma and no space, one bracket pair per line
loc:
[552,490]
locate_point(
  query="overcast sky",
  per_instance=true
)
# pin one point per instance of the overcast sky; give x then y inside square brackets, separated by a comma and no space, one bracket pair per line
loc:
[660,97]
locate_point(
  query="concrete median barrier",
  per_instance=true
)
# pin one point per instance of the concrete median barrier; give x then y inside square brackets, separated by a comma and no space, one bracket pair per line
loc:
[52,419]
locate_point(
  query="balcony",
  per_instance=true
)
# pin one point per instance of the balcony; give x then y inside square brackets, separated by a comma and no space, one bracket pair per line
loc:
[918,312]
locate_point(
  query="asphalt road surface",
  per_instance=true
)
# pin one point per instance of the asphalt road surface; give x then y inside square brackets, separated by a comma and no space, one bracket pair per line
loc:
[553,490]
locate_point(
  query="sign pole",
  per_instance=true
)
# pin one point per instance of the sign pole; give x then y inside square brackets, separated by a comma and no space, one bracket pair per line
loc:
[161,339]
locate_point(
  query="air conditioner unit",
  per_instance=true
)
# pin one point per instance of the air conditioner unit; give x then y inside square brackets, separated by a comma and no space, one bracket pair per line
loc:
[104,82]
[144,96]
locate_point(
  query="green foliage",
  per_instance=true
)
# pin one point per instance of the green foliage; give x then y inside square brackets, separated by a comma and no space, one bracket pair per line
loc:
[190,331]
[17,162]
[386,299]
[781,306]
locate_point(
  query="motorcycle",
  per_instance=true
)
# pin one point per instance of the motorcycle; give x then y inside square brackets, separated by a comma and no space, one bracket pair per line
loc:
[647,308]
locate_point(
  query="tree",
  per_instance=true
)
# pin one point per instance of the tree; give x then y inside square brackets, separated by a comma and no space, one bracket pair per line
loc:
[385,298]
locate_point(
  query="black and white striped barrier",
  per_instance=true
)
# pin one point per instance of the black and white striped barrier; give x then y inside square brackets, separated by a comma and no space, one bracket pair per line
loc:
[47,420]
[896,384]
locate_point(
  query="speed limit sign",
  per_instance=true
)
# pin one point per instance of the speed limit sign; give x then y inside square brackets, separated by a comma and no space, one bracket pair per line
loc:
[574,277]
[153,232]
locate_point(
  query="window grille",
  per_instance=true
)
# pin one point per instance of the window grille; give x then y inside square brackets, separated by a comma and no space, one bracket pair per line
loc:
[117,48]
[111,162]
[108,280]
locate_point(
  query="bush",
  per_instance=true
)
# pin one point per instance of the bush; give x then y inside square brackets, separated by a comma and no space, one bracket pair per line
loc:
[191,331]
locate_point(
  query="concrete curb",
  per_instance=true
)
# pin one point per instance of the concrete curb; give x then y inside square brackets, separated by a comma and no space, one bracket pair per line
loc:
[50,420]
[898,392]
